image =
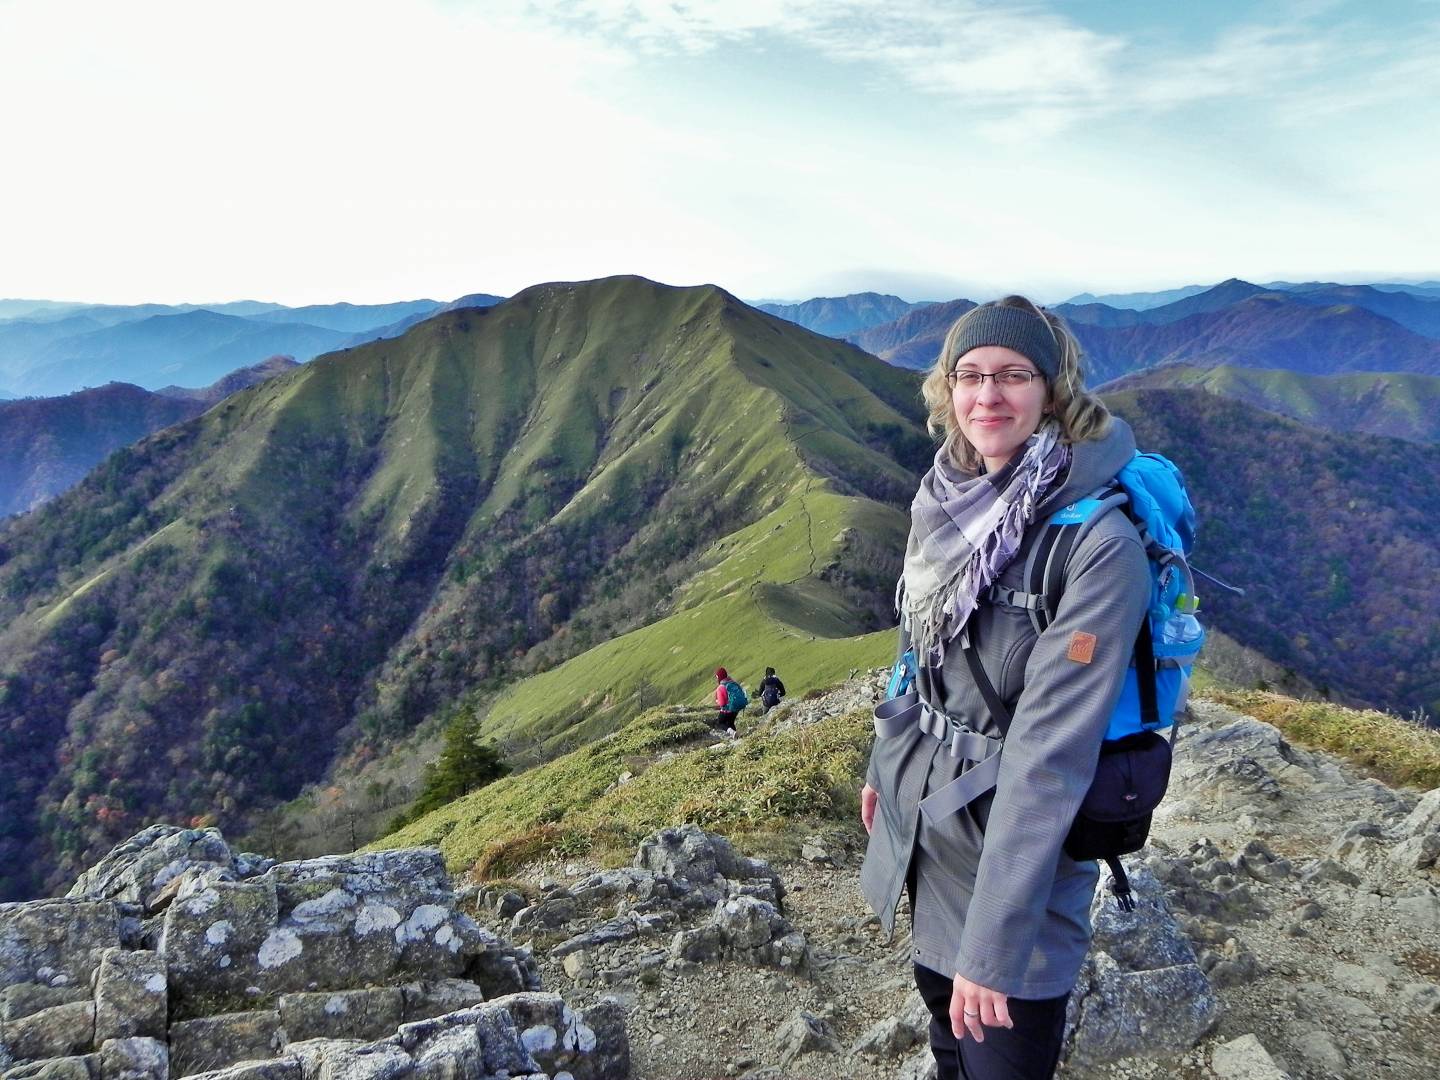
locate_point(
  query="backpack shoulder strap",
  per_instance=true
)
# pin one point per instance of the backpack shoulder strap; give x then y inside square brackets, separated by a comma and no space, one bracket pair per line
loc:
[1049,557]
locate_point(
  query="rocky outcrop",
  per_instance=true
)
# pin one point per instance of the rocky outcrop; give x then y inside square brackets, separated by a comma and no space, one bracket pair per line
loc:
[175,957]
[689,900]
[1141,992]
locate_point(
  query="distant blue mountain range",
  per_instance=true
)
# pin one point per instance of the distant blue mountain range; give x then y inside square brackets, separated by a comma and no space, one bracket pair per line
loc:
[48,348]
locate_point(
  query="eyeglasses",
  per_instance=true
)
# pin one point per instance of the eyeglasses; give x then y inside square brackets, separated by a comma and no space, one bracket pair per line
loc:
[1009,379]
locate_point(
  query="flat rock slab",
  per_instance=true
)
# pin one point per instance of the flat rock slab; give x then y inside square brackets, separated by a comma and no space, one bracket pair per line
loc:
[55,942]
[342,1014]
[281,1068]
[59,1031]
[131,996]
[216,1042]
[25,999]
[423,1000]
[86,1067]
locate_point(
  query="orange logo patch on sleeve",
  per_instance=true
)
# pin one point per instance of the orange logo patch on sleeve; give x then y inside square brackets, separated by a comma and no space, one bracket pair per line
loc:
[1082,647]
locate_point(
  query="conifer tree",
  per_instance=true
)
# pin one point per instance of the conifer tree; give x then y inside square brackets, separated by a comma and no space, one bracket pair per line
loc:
[464,764]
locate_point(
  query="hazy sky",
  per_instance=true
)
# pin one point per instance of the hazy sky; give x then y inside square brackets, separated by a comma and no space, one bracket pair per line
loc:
[309,150]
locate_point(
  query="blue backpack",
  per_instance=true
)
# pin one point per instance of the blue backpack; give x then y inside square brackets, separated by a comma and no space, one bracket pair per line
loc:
[1152,494]
[735,699]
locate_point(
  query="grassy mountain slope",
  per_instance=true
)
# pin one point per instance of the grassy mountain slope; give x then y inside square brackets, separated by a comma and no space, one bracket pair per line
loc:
[1400,406]
[319,563]
[790,592]
[775,780]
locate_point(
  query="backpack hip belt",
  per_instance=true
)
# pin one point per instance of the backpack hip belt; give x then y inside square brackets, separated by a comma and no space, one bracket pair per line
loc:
[897,715]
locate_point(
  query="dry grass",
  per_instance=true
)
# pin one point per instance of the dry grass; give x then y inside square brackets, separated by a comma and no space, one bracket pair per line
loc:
[1391,749]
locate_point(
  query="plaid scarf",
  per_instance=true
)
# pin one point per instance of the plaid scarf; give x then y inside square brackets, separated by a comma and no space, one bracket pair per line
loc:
[964,530]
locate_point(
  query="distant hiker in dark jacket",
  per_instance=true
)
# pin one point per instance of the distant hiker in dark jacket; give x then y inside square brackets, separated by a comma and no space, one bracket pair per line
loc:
[727,701]
[771,689]
[1001,916]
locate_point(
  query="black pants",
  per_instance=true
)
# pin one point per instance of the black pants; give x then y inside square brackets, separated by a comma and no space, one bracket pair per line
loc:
[1028,1051]
[724,721]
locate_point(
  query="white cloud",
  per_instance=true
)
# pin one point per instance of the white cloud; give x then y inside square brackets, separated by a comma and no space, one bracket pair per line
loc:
[374,150]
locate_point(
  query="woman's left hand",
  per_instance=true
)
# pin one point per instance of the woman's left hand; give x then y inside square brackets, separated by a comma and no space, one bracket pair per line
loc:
[974,1007]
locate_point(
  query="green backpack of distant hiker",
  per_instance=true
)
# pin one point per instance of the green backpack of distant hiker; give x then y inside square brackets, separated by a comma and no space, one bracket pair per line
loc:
[735,699]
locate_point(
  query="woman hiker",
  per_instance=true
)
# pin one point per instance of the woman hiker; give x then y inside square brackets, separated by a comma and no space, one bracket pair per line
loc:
[726,705]
[1001,916]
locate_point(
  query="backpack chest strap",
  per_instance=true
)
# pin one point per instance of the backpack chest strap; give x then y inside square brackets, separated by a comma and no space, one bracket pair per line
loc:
[1015,598]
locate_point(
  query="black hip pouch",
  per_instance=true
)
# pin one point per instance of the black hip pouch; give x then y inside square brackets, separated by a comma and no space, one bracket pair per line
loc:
[1130,780]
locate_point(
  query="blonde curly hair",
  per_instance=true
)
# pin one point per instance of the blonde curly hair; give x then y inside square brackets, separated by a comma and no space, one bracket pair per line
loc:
[1082,415]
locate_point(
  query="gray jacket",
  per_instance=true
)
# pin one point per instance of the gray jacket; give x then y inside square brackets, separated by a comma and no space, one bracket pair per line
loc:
[993,896]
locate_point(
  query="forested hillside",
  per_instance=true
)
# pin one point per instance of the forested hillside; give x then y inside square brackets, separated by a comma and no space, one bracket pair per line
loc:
[321,562]
[1400,405]
[1331,535]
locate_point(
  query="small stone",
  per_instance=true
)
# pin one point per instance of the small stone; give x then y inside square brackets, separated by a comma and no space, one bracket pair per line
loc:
[578,965]
[1245,1058]
[804,1034]
[1328,870]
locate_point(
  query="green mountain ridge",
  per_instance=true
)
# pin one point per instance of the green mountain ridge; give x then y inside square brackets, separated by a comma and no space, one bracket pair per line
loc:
[319,563]
[1395,404]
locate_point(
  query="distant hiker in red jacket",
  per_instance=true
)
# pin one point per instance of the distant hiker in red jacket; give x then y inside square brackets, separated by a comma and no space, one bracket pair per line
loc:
[730,698]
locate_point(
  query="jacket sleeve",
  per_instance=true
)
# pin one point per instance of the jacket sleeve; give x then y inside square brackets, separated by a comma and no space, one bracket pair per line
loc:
[779,686]
[722,697]
[1050,754]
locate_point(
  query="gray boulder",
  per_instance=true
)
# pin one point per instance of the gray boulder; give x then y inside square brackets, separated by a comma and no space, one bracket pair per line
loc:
[422,1000]
[281,1068]
[1425,817]
[1245,1058]
[501,1050]
[1418,852]
[59,1031]
[134,1059]
[689,853]
[27,998]
[747,929]
[589,1045]
[86,1067]
[886,1038]
[341,922]
[138,869]
[336,1059]
[1141,992]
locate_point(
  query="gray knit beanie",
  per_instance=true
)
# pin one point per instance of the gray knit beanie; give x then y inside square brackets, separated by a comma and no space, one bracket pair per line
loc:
[994,324]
